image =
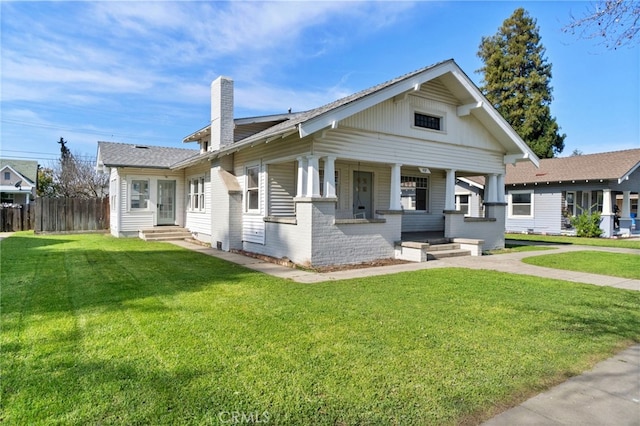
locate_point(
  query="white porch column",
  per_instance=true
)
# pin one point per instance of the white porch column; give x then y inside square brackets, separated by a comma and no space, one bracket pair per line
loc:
[450,190]
[500,188]
[606,202]
[313,177]
[626,205]
[329,176]
[395,194]
[491,188]
[302,177]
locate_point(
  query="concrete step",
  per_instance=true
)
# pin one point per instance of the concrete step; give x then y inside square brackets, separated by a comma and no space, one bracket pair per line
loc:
[165,233]
[442,247]
[441,254]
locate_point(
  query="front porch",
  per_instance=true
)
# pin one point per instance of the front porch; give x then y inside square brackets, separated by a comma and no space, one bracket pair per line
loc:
[338,211]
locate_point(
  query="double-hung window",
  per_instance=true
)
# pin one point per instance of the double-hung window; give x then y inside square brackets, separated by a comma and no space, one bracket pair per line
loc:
[597,200]
[139,198]
[462,203]
[252,189]
[570,203]
[521,204]
[196,194]
[414,193]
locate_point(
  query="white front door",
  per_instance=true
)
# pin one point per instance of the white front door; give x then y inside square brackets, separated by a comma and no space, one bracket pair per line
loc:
[166,202]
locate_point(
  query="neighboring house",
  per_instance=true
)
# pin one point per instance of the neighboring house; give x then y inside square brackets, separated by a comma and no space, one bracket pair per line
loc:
[544,199]
[18,181]
[340,184]
[469,196]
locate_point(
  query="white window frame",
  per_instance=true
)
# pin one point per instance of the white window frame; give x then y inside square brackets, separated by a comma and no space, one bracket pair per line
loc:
[459,202]
[131,191]
[251,189]
[427,188]
[598,204]
[531,204]
[196,193]
[573,210]
[437,114]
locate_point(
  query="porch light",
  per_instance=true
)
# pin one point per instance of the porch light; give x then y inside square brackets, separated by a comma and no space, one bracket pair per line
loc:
[424,170]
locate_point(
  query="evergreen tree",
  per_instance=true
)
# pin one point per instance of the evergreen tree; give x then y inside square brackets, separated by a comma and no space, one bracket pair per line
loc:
[517,82]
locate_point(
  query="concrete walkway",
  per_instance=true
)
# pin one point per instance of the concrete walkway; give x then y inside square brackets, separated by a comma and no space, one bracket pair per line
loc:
[510,262]
[609,394]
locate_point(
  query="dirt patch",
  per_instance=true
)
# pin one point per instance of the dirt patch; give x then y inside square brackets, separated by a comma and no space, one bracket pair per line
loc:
[332,268]
[372,264]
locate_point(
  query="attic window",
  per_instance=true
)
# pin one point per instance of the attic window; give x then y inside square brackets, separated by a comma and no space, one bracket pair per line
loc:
[141,147]
[427,121]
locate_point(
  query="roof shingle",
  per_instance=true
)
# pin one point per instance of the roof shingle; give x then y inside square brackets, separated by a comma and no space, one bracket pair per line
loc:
[605,165]
[114,154]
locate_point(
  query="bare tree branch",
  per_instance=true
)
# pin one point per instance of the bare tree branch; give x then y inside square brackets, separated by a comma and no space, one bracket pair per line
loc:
[615,22]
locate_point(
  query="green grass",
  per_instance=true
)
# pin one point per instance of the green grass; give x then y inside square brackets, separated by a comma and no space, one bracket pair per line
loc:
[516,248]
[633,243]
[97,330]
[593,262]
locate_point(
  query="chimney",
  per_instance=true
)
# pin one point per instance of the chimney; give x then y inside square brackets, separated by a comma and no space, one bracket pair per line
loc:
[222,124]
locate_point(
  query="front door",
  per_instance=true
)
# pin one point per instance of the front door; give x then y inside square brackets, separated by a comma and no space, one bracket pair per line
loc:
[166,202]
[362,195]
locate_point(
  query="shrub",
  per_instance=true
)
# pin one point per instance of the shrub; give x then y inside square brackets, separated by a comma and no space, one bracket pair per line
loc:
[587,224]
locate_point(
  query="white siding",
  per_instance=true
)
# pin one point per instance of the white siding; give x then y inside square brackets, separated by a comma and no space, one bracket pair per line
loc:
[282,189]
[132,221]
[114,202]
[253,227]
[198,222]
[547,208]
[376,147]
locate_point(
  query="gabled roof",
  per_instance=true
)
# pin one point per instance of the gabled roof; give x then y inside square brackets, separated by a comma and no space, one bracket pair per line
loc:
[616,165]
[22,181]
[114,154]
[26,168]
[329,115]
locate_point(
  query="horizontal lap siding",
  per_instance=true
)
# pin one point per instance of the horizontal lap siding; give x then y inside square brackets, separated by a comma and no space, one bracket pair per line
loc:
[389,126]
[547,215]
[282,189]
[132,221]
[199,222]
[375,147]
[253,229]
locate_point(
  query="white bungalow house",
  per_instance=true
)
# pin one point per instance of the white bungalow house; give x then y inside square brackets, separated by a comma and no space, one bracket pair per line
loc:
[340,184]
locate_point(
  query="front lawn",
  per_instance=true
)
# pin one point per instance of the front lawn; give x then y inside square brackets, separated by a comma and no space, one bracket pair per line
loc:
[632,243]
[593,262]
[97,330]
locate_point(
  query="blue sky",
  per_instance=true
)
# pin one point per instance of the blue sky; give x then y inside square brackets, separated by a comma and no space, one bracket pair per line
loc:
[139,72]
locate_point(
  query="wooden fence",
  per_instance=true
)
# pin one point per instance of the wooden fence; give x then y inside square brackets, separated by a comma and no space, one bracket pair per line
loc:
[71,214]
[17,217]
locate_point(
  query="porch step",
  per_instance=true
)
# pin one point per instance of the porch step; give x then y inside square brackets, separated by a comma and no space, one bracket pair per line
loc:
[418,251]
[441,254]
[443,246]
[164,233]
